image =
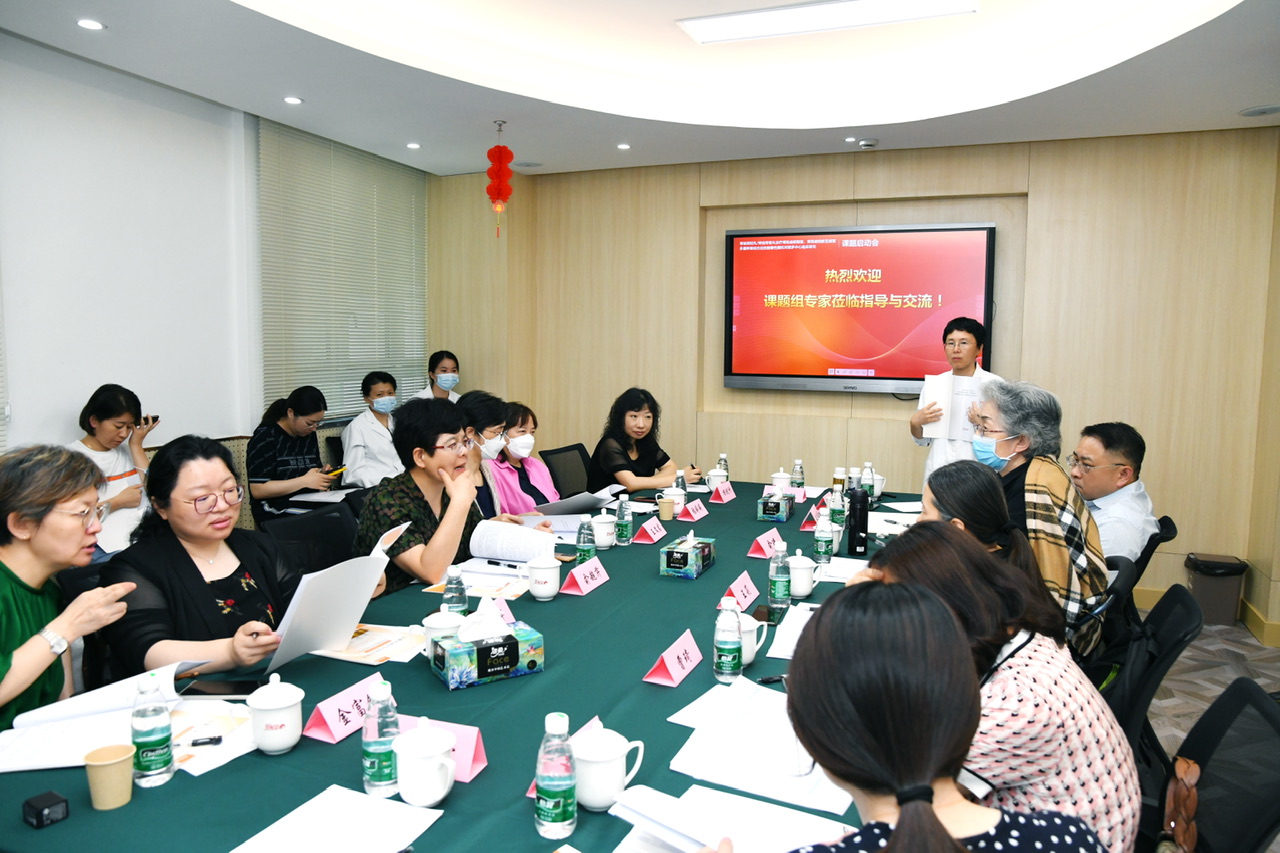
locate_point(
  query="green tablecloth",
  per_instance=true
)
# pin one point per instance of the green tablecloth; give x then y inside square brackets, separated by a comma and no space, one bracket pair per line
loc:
[598,648]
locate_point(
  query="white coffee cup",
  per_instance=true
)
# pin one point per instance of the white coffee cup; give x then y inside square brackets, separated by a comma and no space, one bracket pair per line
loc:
[802,569]
[715,477]
[781,482]
[442,623]
[276,709]
[605,527]
[544,577]
[879,486]
[676,495]
[425,767]
[601,759]
[754,633]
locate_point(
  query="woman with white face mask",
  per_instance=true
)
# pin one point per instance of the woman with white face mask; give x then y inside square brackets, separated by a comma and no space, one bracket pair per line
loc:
[485,417]
[522,482]
[442,377]
[367,451]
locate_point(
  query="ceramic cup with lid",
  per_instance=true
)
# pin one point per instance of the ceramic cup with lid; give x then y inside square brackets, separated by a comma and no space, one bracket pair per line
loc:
[600,756]
[425,765]
[277,715]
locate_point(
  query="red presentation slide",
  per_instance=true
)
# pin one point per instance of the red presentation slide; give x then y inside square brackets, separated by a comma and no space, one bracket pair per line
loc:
[869,304]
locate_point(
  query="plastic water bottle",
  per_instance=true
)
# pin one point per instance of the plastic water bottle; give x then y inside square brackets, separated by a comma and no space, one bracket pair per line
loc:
[381,725]
[455,591]
[838,477]
[586,540]
[856,537]
[622,530]
[152,735]
[797,475]
[823,538]
[837,506]
[779,582]
[723,464]
[680,481]
[727,643]
[868,479]
[556,805]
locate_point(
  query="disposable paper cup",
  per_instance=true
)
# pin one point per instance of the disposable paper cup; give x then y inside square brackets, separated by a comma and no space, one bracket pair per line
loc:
[110,770]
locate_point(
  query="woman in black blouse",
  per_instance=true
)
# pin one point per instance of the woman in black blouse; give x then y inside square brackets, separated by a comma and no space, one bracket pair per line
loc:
[628,451]
[206,590]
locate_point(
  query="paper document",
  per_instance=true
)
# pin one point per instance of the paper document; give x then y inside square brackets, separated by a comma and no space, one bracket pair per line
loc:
[374,645]
[113,697]
[576,504]
[954,395]
[889,523]
[704,709]
[326,608]
[490,579]
[787,634]
[839,570]
[62,743]
[206,718]
[511,543]
[341,819]
[564,526]
[333,496]
[904,506]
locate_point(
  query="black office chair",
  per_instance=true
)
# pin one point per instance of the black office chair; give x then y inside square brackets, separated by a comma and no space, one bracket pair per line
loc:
[1118,592]
[1237,745]
[1123,622]
[315,540]
[1167,533]
[333,443]
[568,467]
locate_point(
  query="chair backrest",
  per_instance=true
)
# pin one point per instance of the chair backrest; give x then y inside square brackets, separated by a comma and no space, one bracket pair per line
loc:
[1167,533]
[315,540]
[568,467]
[1173,623]
[333,444]
[1237,745]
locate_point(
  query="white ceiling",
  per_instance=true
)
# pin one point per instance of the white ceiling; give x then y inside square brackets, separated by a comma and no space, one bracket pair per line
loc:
[573,78]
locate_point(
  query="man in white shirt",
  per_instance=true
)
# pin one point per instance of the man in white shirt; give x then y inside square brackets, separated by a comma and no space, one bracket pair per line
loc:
[962,343]
[1105,469]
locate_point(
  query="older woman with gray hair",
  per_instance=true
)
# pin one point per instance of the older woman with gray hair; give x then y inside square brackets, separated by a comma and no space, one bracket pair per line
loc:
[1020,436]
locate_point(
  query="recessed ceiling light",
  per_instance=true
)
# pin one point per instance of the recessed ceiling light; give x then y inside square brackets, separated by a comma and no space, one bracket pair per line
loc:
[527,164]
[851,139]
[293,101]
[817,18]
[415,146]
[90,24]
[1254,112]
[623,146]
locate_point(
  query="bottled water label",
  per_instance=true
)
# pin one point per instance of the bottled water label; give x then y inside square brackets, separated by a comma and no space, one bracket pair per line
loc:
[780,588]
[837,517]
[623,530]
[379,763]
[822,548]
[154,752]
[585,553]
[728,658]
[555,805]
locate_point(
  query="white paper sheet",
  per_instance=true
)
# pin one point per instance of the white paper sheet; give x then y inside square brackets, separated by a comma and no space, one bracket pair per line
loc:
[342,819]
[326,607]
[514,543]
[62,743]
[332,496]
[206,718]
[702,710]
[787,634]
[889,523]
[954,394]
[374,645]
[904,506]
[113,697]
[839,570]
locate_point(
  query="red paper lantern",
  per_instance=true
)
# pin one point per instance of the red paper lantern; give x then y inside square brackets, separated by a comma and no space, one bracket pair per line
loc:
[499,189]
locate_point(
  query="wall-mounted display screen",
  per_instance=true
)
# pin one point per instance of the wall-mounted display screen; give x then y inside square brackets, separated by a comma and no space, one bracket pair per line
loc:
[851,309]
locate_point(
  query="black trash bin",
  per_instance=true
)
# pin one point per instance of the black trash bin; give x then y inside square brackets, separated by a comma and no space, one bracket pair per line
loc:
[1215,581]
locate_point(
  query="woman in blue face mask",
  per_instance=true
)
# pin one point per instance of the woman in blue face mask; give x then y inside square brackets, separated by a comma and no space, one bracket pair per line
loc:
[442,377]
[1019,435]
[367,452]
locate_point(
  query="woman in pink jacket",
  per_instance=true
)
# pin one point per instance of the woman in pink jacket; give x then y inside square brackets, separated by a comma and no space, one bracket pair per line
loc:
[521,481]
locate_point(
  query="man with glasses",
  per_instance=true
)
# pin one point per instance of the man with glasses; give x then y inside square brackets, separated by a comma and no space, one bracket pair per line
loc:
[436,494]
[1105,469]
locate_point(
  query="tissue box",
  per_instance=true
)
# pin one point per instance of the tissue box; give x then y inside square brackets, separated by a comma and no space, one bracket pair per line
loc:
[681,560]
[460,664]
[775,507]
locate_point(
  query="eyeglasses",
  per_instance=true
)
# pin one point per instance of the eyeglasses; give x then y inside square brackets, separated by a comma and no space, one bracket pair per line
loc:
[984,430]
[87,516]
[1073,461]
[456,446]
[206,504]
[312,424]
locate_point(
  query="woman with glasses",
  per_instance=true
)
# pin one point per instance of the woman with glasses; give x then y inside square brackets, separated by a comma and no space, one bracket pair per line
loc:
[51,520]
[284,455]
[1019,436]
[436,494]
[206,590]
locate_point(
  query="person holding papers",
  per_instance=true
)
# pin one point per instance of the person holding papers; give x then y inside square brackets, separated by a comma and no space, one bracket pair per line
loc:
[436,495]
[51,520]
[892,723]
[521,482]
[206,590]
[628,451]
[952,396]
[1047,739]
[284,455]
[367,451]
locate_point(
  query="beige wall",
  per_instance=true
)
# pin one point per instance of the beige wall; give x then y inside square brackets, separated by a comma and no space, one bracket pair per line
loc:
[1138,278]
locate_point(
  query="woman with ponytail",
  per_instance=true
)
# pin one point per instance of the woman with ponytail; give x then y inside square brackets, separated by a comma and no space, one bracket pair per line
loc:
[892,722]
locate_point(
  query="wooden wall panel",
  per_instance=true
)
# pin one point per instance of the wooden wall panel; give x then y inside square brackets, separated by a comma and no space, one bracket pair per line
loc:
[1145,302]
[937,172]
[780,180]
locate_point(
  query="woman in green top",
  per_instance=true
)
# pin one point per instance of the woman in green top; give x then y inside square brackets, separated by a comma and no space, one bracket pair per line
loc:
[51,518]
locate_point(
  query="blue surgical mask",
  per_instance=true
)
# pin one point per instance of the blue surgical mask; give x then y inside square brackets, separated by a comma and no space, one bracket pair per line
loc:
[384,405]
[447,380]
[984,450]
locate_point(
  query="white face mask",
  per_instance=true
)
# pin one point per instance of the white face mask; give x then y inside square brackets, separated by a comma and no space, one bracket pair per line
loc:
[491,447]
[520,446]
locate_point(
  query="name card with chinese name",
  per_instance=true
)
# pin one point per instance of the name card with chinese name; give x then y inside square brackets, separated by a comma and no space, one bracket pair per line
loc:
[762,547]
[468,749]
[800,494]
[341,714]
[676,662]
[693,511]
[650,532]
[585,577]
[810,519]
[723,493]
[504,609]
[743,591]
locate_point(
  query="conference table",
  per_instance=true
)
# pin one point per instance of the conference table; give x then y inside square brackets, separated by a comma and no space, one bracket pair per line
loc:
[598,648]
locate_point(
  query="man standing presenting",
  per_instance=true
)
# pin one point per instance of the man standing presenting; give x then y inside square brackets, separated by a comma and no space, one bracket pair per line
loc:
[962,343]
[1105,469]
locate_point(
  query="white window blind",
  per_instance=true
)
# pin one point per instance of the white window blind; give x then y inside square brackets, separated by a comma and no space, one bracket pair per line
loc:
[343,266]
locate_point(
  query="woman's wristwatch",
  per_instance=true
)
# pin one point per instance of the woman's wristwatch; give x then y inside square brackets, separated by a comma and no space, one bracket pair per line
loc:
[57,643]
